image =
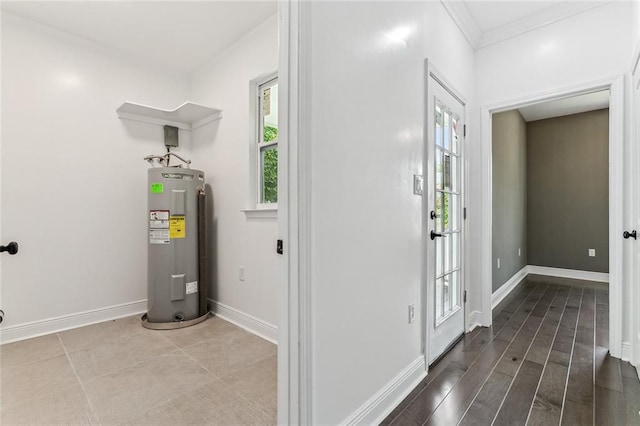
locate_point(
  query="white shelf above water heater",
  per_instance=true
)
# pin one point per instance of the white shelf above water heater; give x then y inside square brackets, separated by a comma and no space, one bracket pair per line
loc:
[188,116]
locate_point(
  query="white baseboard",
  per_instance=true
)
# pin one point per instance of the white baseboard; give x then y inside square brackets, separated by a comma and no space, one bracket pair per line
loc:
[502,292]
[18,332]
[506,288]
[474,320]
[569,273]
[248,322]
[387,399]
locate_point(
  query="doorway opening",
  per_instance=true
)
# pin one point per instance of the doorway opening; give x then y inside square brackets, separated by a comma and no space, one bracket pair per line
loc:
[550,202]
[492,267]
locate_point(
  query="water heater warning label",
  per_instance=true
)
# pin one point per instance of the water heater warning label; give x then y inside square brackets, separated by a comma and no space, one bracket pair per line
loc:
[159,236]
[176,227]
[159,227]
[192,287]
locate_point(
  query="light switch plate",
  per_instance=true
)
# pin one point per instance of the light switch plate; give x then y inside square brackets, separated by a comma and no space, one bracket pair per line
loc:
[418,187]
[412,313]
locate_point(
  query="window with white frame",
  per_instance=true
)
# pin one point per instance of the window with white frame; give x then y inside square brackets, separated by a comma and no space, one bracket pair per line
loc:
[266,145]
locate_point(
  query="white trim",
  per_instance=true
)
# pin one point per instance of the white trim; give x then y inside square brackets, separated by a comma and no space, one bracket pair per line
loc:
[568,273]
[294,353]
[248,322]
[66,322]
[616,215]
[301,191]
[387,399]
[633,268]
[626,352]
[537,20]
[254,125]
[474,321]
[637,364]
[505,289]
[463,19]
[260,214]
[486,233]
[616,164]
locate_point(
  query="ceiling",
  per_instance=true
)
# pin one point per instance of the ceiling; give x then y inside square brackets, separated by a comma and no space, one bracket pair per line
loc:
[484,22]
[490,15]
[179,35]
[184,35]
[566,106]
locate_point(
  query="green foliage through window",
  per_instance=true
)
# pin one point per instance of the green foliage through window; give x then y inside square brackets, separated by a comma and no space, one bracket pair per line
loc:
[270,133]
[270,175]
[270,168]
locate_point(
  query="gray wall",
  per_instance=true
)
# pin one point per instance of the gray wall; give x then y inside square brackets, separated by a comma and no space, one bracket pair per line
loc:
[509,195]
[567,191]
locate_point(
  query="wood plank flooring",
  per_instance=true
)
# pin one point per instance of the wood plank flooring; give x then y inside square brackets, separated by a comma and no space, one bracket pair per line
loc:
[543,362]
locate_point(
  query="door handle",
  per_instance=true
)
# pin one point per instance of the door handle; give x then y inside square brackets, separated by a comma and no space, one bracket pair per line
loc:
[12,248]
[434,235]
[631,234]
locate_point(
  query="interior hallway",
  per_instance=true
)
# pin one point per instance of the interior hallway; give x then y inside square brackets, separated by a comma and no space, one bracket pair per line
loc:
[119,373]
[543,362]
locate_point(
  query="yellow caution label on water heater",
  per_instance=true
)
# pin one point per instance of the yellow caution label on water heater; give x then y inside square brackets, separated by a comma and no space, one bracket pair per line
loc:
[177,227]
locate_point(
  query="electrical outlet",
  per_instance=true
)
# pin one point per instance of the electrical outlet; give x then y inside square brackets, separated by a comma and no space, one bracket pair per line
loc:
[498,263]
[412,313]
[519,252]
[592,252]
[241,273]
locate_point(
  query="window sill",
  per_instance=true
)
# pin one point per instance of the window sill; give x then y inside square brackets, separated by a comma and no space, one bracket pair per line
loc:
[262,214]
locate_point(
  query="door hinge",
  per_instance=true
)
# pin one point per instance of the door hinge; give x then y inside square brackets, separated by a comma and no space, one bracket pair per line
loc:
[464,296]
[464,213]
[464,130]
[279,247]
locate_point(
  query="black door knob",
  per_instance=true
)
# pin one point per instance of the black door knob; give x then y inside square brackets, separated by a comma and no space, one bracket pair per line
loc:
[434,235]
[12,248]
[631,234]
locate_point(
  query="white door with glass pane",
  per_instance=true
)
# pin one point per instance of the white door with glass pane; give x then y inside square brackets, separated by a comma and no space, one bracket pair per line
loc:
[445,177]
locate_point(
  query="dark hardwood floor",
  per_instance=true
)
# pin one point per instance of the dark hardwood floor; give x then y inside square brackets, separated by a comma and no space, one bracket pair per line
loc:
[543,362]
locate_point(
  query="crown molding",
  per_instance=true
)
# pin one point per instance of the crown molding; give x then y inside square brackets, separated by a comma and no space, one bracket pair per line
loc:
[463,19]
[534,21]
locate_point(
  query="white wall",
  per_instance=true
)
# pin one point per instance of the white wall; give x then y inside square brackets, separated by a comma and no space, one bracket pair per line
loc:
[636,21]
[592,45]
[222,152]
[364,88]
[586,47]
[73,179]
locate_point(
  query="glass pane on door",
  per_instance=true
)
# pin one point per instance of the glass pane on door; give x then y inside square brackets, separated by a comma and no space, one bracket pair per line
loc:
[448,205]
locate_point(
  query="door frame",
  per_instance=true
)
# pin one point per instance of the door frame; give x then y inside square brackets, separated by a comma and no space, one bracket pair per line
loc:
[431,71]
[616,194]
[287,371]
[294,219]
[634,158]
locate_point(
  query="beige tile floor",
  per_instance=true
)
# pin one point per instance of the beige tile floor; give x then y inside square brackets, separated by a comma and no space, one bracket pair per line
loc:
[119,373]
